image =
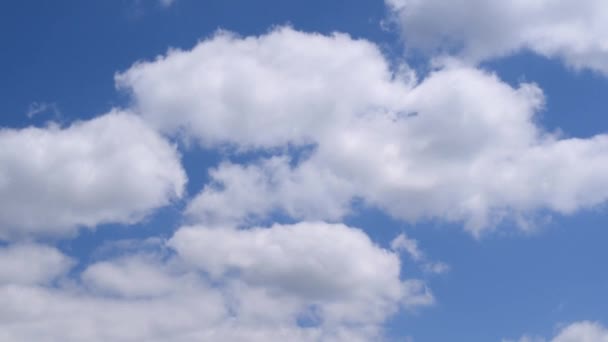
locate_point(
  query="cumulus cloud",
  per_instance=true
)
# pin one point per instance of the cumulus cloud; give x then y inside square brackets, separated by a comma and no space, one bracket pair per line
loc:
[336,267]
[261,92]
[113,168]
[573,31]
[584,331]
[133,276]
[31,264]
[459,145]
[217,284]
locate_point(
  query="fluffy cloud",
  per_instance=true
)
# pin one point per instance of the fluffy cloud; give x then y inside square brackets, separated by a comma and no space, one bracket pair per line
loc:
[113,168]
[134,276]
[584,331]
[573,31]
[31,264]
[304,282]
[268,91]
[459,145]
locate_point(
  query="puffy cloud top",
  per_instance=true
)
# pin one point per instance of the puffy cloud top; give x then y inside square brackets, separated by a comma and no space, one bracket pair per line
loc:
[460,144]
[113,168]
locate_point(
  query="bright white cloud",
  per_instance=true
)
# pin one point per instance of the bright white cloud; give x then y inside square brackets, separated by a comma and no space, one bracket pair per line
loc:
[244,193]
[134,276]
[460,145]
[573,31]
[583,332]
[268,91]
[110,169]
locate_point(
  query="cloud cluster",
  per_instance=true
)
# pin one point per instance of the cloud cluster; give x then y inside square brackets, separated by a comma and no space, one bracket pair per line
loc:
[112,169]
[575,32]
[459,145]
[303,282]
[312,127]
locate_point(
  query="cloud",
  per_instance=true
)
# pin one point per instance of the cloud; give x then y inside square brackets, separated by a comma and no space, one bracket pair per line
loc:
[216,284]
[292,85]
[314,261]
[36,108]
[459,145]
[402,243]
[110,169]
[572,31]
[584,331]
[31,264]
[117,277]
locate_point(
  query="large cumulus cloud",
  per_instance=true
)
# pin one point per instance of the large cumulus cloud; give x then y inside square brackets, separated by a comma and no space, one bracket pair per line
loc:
[459,145]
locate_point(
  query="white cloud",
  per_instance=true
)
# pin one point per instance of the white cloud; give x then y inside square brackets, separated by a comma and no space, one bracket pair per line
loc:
[459,145]
[584,331]
[248,192]
[31,264]
[134,276]
[222,284]
[110,169]
[573,31]
[268,91]
[403,243]
[312,261]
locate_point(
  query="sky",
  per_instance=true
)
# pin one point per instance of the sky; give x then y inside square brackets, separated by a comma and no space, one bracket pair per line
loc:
[397,170]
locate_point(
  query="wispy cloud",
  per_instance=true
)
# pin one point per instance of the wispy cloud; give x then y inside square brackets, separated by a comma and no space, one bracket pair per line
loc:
[37,108]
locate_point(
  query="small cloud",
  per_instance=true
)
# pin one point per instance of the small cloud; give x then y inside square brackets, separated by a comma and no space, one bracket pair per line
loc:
[36,108]
[402,243]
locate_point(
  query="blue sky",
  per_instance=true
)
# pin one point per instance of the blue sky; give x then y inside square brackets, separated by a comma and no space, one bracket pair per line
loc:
[183,183]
